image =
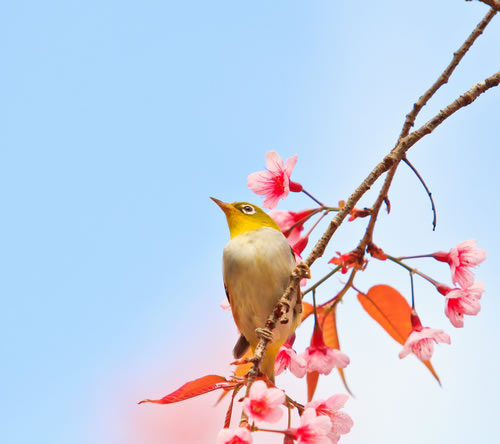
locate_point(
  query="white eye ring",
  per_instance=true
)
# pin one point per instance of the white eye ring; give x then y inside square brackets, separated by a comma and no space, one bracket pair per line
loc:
[248,209]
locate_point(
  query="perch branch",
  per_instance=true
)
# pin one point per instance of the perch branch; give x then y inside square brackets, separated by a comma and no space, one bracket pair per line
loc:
[389,161]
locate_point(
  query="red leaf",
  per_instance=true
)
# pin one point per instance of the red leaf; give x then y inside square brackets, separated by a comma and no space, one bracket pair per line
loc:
[312,382]
[393,313]
[191,389]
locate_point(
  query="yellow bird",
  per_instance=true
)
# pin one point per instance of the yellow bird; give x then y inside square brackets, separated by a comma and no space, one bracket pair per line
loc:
[257,264]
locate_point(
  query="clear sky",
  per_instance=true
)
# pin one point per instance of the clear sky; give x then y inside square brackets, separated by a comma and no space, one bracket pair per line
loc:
[120,118]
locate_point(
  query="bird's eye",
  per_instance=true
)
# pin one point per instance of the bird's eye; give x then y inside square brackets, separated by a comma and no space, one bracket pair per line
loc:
[248,209]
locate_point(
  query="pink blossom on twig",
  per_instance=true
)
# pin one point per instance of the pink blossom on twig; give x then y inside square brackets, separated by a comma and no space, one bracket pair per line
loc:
[264,404]
[421,340]
[460,258]
[239,436]
[341,422]
[462,301]
[288,358]
[274,183]
[321,358]
[313,429]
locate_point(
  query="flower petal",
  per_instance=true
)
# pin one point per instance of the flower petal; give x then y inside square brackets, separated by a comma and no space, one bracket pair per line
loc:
[274,162]
[290,164]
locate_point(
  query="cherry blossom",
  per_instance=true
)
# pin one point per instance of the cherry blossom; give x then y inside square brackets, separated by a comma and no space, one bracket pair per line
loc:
[421,340]
[287,358]
[460,302]
[264,404]
[460,258]
[313,429]
[239,436]
[341,422]
[286,219]
[274,183]
[321,358]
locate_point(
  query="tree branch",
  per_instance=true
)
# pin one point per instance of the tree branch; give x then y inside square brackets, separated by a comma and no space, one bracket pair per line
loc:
[410,121]
[443,78]
[494,4]
[389,161]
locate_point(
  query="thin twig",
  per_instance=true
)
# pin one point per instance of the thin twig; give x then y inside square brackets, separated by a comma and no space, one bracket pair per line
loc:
[323,279]
[412,291]
[312,197]
[434,219]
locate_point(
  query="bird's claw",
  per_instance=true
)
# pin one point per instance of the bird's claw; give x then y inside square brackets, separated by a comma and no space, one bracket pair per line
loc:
[243,361]
[264,333]
[304,270]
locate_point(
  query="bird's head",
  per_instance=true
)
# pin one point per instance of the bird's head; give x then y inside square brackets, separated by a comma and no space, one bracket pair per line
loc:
[243,217]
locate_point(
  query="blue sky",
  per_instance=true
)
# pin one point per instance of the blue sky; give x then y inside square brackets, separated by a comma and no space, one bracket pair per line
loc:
[121,118]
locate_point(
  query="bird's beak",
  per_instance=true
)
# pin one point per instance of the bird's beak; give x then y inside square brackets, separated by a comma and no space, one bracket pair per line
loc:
[223,205]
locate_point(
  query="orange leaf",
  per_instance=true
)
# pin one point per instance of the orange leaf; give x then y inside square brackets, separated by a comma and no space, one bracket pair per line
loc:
[307,309]
[312,383]
[328,322]
[431,369]
[243,369]
[193,388]
[391,310]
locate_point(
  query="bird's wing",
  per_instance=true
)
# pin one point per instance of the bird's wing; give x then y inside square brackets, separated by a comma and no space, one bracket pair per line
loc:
[242,344]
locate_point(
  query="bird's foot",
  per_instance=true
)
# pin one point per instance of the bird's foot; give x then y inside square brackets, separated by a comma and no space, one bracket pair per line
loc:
[244,361]
[264,333]
[305,271]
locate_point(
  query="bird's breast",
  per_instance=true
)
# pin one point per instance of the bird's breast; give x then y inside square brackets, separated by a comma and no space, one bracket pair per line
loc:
[256,268]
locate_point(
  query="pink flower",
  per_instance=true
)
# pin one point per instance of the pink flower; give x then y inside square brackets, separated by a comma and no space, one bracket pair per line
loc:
[298,247]
[313,429]
[274,183]
[322,359]
[460,302]
[225,305]
[460,258]
[421,340]
[264,404]
[287,358]
[341,422]
[239,436]
[286,219]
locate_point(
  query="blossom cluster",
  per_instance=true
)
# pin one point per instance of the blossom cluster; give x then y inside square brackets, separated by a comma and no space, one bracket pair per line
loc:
[318,357]
[321,422]
[275,184]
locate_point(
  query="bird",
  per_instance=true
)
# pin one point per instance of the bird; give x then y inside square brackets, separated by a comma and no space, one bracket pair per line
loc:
[257,263]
